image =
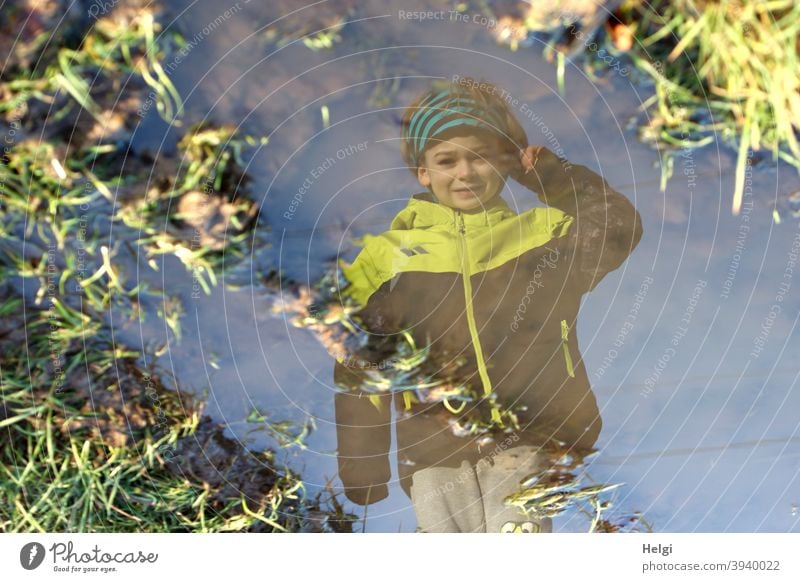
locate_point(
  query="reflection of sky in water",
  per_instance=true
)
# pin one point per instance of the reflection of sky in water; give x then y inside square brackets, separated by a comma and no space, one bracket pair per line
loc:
[714,446]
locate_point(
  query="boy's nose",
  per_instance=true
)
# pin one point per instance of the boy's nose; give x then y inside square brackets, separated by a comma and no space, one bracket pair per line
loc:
[465,169]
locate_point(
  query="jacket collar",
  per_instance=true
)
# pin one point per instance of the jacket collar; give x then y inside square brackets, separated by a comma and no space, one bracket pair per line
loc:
[423,210]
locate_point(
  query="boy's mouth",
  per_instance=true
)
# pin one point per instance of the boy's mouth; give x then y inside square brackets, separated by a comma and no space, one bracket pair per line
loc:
[466,192]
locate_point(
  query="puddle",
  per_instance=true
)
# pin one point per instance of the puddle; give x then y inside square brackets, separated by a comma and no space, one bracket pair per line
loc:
[689,361]
[687,346]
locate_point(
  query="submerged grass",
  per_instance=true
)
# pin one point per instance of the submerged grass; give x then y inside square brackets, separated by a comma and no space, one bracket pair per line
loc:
[561,487]
[112,48]
[200,215]
[728,69]
[396,364]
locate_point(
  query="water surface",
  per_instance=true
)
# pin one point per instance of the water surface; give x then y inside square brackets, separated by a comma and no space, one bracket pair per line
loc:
[698,395]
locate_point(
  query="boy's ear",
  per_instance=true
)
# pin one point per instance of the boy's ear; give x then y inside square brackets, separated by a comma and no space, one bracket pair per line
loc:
[423,176]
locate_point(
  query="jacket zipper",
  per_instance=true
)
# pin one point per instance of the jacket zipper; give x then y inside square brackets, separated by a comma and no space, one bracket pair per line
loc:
[565,347]
[473,328]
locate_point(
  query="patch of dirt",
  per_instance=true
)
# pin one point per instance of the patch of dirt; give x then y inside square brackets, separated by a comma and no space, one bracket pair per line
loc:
[209,221]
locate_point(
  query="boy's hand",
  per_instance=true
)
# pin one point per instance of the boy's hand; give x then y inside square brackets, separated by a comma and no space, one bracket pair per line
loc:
[521,168]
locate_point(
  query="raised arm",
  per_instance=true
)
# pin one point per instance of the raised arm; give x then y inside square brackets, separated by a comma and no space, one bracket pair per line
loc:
[607,227]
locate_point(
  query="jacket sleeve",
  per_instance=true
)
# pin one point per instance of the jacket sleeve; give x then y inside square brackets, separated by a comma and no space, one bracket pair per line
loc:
[363,420]
[606,228]
[363,425]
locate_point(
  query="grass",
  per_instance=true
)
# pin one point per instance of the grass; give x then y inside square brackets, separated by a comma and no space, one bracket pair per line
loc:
[725,70]
[92,442]
[210,172]
[48,183]
[48,232]
[109,49]
[728,69]
[57,191]
[731,67]
[561,487]
[101,446]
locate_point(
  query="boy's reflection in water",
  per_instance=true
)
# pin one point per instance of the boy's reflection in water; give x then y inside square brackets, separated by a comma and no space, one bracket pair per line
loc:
[495,293]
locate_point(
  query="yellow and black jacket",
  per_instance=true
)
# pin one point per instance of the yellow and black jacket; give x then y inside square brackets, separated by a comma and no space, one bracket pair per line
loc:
[501,291]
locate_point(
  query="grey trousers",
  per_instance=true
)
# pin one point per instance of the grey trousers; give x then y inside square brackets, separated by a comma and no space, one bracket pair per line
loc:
[470,498]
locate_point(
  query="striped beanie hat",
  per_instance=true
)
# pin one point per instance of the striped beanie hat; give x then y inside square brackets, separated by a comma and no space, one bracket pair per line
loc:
[445,110]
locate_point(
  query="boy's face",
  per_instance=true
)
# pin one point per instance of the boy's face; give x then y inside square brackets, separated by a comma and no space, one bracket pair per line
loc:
[464,171]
